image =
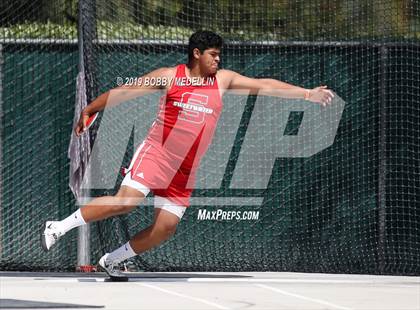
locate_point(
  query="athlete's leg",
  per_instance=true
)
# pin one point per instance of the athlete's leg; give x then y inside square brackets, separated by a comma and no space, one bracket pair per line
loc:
[99,208]
[163,227]
[123,202]
[166,219]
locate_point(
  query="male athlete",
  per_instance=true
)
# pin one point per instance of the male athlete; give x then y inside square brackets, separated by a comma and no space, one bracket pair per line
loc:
[166,162]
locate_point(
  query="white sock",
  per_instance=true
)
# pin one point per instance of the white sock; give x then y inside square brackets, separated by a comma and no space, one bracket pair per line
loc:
[72,221]
[121,254]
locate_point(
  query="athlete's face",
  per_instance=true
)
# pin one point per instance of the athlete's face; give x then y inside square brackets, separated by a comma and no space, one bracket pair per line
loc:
[209,60]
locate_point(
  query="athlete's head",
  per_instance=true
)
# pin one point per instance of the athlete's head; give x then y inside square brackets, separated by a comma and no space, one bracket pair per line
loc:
[204,48]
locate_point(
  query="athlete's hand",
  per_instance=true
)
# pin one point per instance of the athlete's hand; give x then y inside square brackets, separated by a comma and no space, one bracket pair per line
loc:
[321,95]
[81,124]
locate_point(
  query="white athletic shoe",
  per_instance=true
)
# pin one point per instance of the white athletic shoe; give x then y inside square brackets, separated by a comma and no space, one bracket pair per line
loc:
[50,235]
[112,269]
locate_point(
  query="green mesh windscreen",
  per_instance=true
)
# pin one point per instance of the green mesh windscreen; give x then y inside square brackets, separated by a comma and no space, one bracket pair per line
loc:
[38,67]
[350,208]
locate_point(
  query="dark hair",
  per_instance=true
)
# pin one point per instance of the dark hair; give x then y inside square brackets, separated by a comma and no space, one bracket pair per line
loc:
[203,40]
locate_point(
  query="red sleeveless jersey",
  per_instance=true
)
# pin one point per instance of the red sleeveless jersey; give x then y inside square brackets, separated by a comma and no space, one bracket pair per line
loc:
[181,134]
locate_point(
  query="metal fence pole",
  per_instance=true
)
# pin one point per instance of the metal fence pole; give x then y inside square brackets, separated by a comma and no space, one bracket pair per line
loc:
[383,54]
[86,35]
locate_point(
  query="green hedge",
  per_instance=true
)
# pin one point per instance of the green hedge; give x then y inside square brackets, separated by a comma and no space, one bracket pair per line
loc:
[131,31]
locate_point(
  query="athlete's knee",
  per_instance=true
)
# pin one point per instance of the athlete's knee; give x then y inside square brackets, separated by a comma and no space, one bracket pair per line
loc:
[167,229]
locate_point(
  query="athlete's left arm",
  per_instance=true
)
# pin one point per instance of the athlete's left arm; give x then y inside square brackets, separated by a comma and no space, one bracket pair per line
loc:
[271,87]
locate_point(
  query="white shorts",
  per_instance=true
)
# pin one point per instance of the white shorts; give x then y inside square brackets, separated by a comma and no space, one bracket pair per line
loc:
[160,202]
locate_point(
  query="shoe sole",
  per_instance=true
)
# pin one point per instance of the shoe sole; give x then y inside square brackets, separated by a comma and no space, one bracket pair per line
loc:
[43,243]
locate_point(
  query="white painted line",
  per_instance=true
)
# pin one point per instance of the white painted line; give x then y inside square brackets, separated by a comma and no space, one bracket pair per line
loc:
[185,296]
[319,301]
[256,280]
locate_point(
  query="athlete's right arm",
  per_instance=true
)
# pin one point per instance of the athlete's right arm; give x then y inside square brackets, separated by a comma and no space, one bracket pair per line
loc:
[123,93]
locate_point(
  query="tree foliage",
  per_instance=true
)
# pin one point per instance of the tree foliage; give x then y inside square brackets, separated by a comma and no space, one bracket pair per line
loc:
[240,20]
